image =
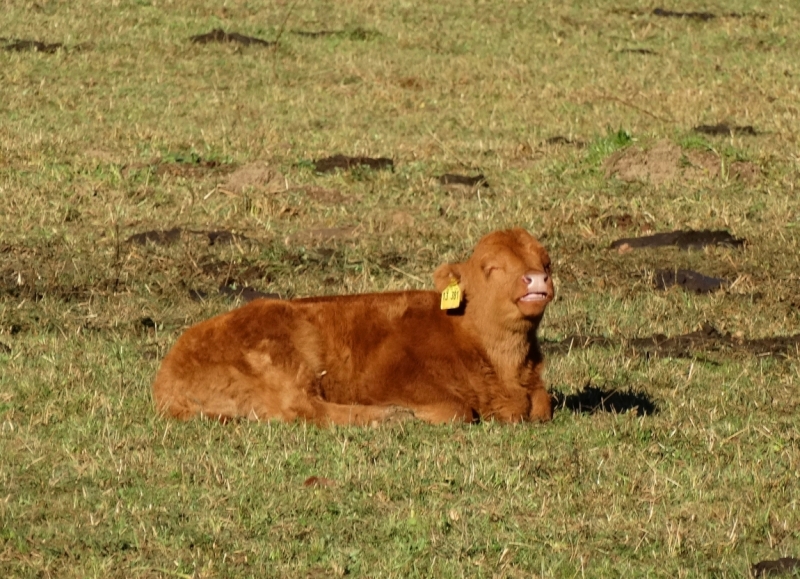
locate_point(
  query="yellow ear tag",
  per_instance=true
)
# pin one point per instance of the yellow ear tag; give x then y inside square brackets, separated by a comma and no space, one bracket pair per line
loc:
[451,296]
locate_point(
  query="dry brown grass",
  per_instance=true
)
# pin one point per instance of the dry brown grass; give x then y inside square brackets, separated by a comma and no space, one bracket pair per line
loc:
[132,128]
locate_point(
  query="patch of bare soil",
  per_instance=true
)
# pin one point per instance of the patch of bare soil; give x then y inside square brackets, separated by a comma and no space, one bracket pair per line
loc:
[156,236]
[27,45]
[562,140]
[658,165]
[675,14]
[645,51]
[707,339]
[689,280]
[345,163]
[592,400]
[687,239]
[188,166]
[174,235]
[666,162]
[357,33]
[319,481]
[191,170]
[221,236]
[699,16]
[725,130]
[748,172]
[391,260]
[31,273]
[256,175]
[320,235]
[219,35]
[27,287]
[234,279]
[410,82]
[782,566]
[465,180]
[576,342]
[240,273]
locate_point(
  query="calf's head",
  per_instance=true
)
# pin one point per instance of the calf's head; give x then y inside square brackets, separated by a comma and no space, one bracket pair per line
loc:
[507,277]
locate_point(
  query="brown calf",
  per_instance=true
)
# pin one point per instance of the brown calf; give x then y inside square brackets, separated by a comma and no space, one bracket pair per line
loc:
[363,359]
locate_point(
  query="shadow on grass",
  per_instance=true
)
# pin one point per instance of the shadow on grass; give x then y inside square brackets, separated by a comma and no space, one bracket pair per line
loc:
[592,399]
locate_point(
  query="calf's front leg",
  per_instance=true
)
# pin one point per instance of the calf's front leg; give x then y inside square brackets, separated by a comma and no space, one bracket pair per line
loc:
[541,405]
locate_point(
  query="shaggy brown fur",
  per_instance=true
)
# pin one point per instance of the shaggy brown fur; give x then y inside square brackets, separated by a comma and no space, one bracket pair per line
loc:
[363,359]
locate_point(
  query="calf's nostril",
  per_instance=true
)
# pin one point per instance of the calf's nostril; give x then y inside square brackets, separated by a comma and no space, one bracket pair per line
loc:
[537,278]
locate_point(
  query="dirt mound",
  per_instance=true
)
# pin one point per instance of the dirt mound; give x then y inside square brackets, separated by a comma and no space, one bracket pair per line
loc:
[700,16]
[478,180]
[666,162]
[156,236]
[257,175]
[219,35]
[746,171]
[782,566]
[562,140]
[645,51]
[688,239]
[725,130]
[345,163]
[692,281]
[174,235]
[693,15]
[357,33]
[26,44]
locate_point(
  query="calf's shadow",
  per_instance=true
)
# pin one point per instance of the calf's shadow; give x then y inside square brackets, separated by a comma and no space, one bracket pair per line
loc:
[592,400]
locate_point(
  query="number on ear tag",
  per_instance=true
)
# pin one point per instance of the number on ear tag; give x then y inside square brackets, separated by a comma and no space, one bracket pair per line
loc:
[451,296]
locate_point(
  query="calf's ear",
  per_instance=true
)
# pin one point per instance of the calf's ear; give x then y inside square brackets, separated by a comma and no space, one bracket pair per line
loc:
[444,274]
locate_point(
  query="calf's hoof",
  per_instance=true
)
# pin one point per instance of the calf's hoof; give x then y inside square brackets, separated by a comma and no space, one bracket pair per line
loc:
[542,407]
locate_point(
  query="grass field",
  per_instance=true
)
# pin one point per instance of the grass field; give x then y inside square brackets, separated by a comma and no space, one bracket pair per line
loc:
[580,117]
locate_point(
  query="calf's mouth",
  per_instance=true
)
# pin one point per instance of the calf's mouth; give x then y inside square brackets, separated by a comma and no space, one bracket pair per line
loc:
[535,297]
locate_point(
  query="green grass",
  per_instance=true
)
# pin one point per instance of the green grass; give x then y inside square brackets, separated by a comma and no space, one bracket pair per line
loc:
[133,128]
